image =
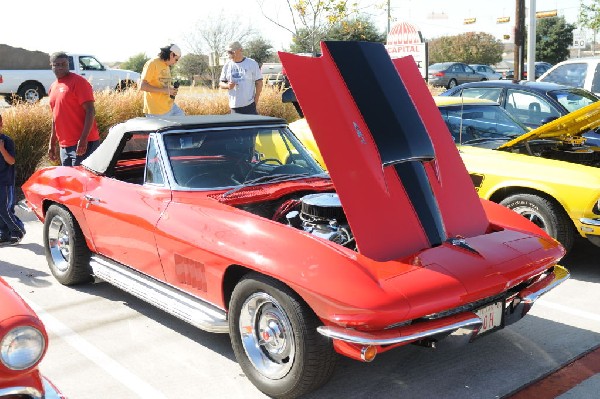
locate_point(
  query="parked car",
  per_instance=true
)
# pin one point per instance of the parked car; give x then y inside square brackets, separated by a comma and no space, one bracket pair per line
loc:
[272,74]
[547,174]
[532,103]
[23,344]
[577,72]
[540,68]
[486,71]
[228,223]
[31,85]
[450,74]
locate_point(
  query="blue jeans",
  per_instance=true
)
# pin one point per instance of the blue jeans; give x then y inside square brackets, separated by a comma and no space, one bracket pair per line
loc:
[68,155]
[10,224]
[174,111]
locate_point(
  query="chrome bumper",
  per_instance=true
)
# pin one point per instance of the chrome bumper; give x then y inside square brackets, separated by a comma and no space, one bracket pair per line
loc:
[50,391]
[465,324]
[590,222]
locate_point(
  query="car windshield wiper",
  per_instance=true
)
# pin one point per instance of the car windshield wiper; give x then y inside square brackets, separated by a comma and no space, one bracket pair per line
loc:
[273,179]
[486,139]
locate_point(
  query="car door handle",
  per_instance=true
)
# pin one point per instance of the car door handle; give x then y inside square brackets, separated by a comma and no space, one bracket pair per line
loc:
[89,198]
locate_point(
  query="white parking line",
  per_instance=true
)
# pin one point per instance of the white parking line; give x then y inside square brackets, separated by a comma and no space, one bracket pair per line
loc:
[138,386]
[569,310]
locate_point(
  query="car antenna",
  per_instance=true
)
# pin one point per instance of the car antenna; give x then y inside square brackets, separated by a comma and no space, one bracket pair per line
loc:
[460,125]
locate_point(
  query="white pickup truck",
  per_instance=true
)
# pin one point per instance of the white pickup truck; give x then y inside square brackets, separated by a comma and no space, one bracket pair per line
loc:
[30,85]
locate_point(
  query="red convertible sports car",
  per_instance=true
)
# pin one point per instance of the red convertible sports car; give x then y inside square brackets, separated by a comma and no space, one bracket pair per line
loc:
[23,343]
[228,223]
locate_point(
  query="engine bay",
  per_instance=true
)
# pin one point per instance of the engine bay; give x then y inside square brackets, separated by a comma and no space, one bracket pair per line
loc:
[569,151]
[318,213]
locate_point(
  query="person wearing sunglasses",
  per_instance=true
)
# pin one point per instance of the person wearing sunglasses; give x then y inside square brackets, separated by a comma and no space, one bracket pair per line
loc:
[242,77]
[158,86]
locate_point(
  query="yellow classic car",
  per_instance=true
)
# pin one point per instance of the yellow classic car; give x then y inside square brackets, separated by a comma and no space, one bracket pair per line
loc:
[548,174]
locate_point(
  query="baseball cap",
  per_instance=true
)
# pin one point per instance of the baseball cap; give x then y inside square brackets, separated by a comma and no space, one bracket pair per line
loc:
[175,48]
[234,46]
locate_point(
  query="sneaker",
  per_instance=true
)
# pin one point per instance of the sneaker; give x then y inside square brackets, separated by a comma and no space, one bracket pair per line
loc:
[10,241]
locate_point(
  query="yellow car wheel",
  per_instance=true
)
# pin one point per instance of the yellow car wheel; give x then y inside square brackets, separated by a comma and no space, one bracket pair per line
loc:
[545,214]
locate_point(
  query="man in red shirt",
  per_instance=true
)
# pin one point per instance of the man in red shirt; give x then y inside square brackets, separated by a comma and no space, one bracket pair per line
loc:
[73,114]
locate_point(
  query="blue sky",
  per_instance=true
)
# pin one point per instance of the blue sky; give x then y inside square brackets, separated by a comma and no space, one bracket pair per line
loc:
[114,30]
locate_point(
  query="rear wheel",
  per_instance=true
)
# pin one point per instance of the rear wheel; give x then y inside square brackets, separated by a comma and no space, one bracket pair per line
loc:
[66,250]
[275,339]
[452,83]
[545,214]
[31,93]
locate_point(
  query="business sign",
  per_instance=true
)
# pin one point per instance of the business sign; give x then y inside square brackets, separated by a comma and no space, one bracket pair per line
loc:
[405,39]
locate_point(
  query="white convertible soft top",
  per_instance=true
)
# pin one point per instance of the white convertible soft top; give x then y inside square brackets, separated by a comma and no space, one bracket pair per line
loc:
[100,160]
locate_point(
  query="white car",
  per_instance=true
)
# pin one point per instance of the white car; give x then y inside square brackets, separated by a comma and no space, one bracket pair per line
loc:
[486,70]
[577,72]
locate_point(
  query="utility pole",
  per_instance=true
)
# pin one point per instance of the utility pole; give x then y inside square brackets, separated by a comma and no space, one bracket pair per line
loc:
[389,17]
[531,42]
[519,36]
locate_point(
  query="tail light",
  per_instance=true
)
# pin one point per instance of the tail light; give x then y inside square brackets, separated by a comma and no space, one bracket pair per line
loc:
[439,74]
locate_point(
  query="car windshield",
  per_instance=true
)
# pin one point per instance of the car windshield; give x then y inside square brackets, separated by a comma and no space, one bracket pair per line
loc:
[481,125]
[226,158]
[572,100]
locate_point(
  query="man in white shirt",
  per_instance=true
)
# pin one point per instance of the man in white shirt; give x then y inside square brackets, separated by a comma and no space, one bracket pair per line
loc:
[243,78]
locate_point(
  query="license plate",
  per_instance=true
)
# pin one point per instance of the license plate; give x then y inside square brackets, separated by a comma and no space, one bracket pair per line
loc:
[491,316]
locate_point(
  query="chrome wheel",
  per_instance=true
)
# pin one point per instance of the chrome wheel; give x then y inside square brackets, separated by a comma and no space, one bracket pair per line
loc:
[59,243]
[267,336]
[536,217]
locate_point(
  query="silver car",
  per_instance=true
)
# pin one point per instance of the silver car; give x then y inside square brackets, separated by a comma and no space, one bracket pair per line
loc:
[487,71]
[450,74]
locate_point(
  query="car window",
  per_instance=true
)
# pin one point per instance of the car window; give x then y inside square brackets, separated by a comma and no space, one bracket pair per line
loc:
[487,93]
[572,74]
[596,81]
[471,122]
[468,69]
[154,173]
[89,64]
[574,99]
[529,108]
[214,159]
[457,68]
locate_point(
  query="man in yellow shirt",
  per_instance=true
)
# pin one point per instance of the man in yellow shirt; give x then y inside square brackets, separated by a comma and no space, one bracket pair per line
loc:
[157,84]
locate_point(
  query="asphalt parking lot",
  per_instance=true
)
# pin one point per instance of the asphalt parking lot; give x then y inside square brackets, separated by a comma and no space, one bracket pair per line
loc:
[108,344]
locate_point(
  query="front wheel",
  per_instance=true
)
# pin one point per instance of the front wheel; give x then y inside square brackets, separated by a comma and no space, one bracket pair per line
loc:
[545,214]
[66,250]
[275,339]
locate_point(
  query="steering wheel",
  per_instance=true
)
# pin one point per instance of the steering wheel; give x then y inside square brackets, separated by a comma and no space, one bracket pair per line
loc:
[259,163]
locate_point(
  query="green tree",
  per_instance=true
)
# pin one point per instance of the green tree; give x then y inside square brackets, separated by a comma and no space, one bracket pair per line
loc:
[310,19]
[470,48]
[589,15]
[191,65]
[135,63]
[304,41]
[259,50]
[553,37]
[360,28]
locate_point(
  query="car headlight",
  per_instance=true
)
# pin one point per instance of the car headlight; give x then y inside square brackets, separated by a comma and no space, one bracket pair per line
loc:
[22,347]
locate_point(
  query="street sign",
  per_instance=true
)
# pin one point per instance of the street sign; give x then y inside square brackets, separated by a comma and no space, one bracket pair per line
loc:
[578,40]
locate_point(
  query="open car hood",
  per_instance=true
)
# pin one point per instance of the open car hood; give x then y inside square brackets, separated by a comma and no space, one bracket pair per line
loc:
[565,128]
[395,167]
